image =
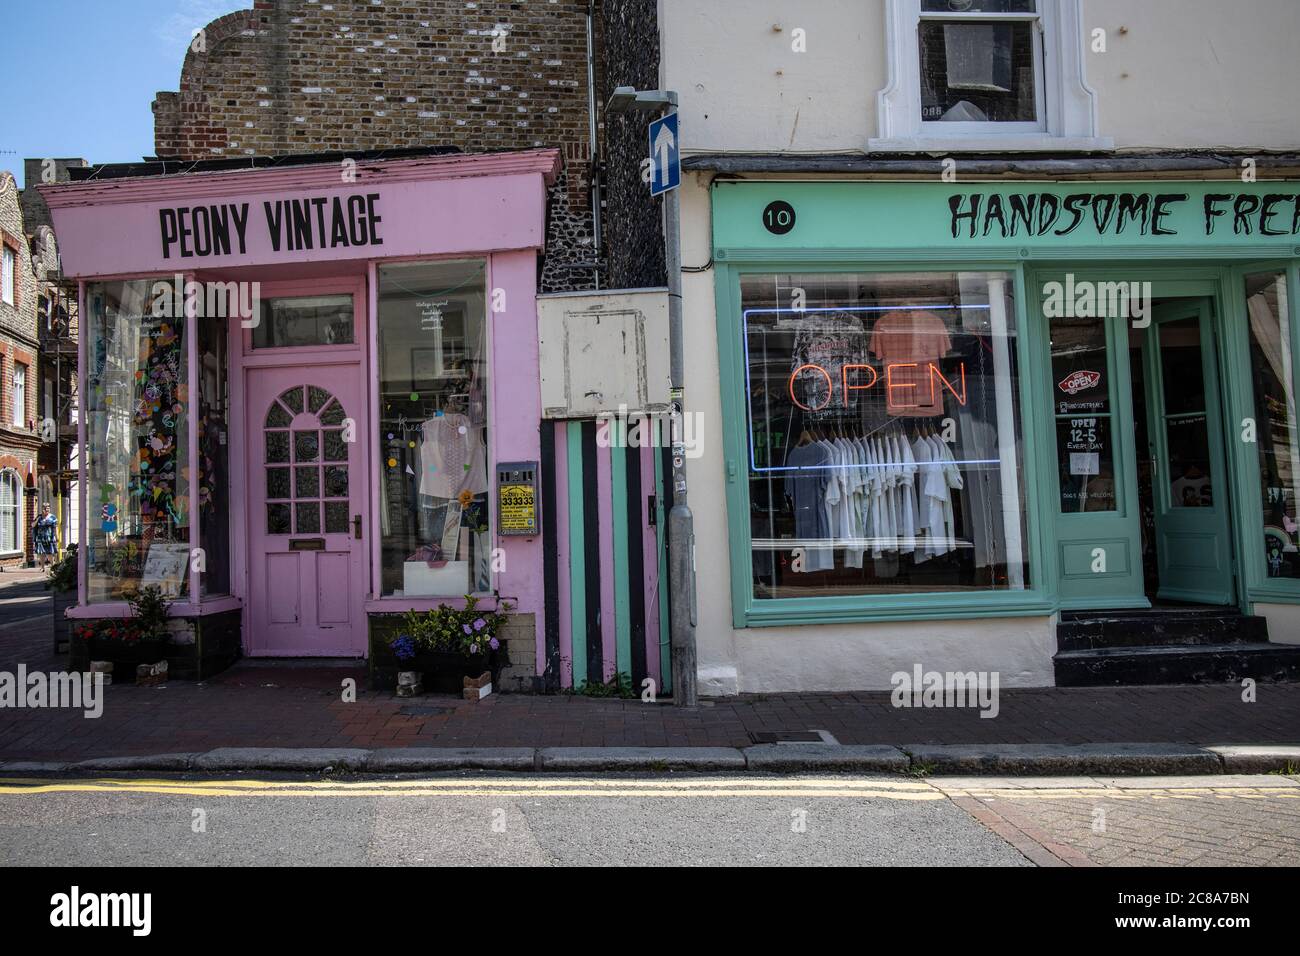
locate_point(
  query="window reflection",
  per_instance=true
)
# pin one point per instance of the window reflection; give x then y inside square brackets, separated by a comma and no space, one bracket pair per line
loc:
[1271,347]
[137,447]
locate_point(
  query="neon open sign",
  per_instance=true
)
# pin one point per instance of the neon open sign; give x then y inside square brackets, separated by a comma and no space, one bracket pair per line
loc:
[896,380]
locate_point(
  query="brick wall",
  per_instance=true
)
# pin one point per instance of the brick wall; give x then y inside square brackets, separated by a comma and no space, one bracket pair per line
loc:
[19,445]
[520,638]
[304,76]
[35,172]
[629,52]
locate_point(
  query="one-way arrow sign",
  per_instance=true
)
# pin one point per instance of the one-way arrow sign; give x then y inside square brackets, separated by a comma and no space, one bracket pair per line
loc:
[665,156]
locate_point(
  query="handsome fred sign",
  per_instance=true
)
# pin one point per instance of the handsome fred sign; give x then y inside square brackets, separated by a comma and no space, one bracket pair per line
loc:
[310,222]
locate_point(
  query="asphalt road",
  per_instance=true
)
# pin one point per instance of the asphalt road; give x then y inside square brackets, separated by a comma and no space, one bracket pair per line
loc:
[676,820]
[23,598]
[510,820]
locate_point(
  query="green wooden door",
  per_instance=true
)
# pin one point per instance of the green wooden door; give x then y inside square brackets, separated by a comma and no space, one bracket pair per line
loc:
[1185,444]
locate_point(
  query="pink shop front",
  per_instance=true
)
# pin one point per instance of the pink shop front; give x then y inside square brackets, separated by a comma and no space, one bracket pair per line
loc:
[300,381]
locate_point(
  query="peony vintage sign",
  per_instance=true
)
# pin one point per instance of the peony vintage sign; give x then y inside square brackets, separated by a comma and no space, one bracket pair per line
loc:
[429,206]
[312,222]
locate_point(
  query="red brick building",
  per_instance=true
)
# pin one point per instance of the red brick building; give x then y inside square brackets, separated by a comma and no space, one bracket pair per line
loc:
[20,439]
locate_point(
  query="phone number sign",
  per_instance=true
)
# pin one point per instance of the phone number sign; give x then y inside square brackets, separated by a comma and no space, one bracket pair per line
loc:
[517,512]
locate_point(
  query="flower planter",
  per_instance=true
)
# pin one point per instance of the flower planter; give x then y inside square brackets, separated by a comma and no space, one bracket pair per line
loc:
[131,653]
[445,673]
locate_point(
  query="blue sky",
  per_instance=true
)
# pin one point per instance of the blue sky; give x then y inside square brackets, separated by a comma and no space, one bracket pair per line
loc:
[79,75]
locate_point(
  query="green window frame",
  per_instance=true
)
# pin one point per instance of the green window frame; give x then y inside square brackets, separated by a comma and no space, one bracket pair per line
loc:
[1035,600]
[1252,563]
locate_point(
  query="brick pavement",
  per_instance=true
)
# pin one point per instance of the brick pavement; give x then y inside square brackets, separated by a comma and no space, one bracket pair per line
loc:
[278,706]
[261,705]
[1160,828]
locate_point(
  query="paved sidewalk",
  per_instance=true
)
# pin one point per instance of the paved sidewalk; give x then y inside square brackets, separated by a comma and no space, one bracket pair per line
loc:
[301,705]
[256,705]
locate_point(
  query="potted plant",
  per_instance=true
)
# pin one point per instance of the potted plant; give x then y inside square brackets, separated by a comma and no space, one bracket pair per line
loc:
[62,583]
[449,644]
[140,639]
[410,682]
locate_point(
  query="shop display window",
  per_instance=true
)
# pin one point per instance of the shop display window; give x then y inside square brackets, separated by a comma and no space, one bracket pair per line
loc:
[884,434]
[137,407]
[214,455]
[1272,345]
[433,394]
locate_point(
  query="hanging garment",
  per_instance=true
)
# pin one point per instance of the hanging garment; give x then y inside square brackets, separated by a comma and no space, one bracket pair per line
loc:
[906,495]
[861,505]
[850,481]
[835,492]
[923,453]
[806,487]
[452,457]
[935,491]
[888,508]
[864,487]
[907,343]
[944,479]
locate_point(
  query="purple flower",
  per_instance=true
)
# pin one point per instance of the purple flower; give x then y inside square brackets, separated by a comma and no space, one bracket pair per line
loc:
[473,648]
[480,624]
[494,643]
[465,628]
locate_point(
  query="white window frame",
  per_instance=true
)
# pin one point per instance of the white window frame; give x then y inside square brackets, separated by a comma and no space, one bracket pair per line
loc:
[19,384]
[10,479]
[1067,106]
[8,269]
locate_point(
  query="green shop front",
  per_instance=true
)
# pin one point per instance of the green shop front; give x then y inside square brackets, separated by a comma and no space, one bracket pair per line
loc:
[1066,402]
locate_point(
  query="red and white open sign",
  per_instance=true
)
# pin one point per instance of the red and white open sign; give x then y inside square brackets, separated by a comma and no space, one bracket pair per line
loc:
[1079,381]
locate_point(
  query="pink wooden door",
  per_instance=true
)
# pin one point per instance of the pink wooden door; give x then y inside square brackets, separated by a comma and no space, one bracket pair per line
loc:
[306,494]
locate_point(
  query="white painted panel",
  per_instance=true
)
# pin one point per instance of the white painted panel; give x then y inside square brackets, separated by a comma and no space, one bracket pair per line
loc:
[603,352]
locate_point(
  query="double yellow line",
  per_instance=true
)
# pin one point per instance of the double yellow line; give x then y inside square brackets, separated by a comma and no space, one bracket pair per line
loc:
[1115,793]
[544,785]
[541,786]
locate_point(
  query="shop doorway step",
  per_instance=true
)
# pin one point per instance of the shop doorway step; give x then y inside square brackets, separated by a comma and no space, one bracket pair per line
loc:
[1169,646]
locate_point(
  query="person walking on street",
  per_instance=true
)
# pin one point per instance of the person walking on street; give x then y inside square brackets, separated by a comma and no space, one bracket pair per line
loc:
[43,536]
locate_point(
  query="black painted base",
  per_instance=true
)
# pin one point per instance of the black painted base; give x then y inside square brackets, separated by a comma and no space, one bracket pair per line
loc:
[1183,646]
